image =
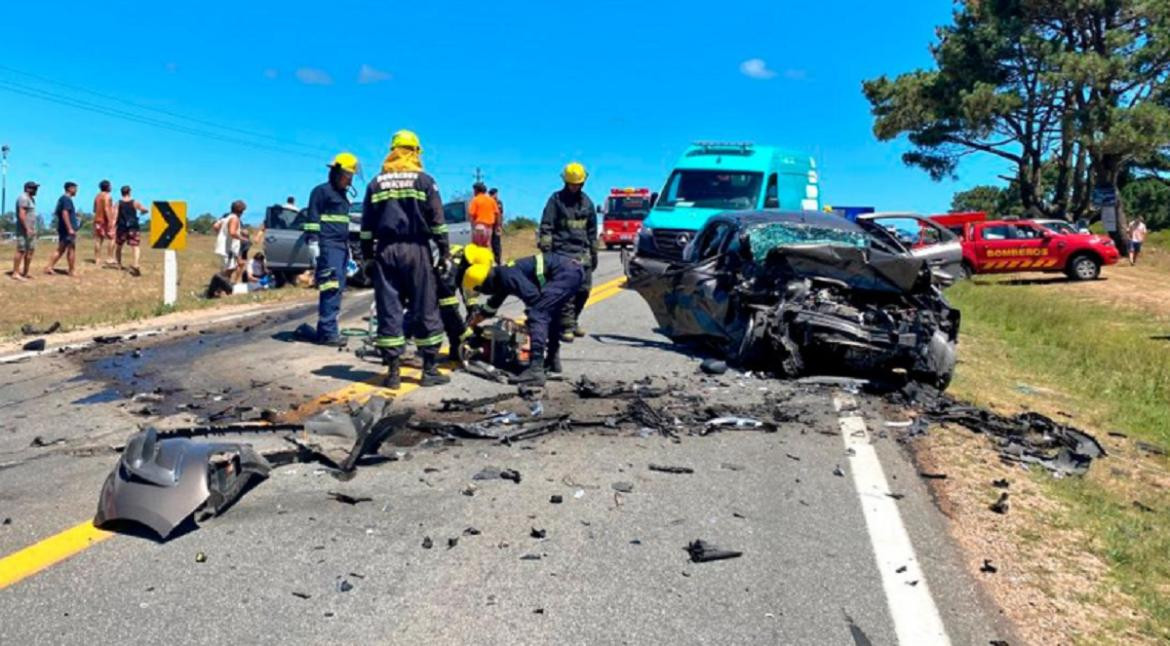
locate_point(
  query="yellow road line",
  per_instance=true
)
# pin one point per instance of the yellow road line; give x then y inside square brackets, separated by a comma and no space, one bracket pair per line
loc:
[57,548]
[50,551]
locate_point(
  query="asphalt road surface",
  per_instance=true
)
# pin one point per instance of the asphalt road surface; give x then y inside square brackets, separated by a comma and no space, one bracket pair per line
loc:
[828,556]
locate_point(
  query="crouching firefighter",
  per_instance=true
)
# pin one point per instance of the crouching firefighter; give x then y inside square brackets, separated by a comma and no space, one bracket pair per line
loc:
[545,282]
[327,234]
[402,214]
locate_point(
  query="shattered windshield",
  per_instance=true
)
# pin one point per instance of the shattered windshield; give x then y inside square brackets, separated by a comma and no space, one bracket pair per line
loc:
[768,236]
[710,189]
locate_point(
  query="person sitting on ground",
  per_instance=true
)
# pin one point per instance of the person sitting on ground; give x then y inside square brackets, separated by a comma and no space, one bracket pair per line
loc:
[258,274]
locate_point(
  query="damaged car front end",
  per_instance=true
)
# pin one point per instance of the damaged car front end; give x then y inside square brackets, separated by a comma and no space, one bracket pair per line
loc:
[804,293]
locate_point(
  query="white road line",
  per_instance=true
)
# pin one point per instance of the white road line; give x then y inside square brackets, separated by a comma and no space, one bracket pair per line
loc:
[916,617]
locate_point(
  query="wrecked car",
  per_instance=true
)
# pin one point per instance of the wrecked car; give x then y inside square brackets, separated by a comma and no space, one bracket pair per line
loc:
[804,293]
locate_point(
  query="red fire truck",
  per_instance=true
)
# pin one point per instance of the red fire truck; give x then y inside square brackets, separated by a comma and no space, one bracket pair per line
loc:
[625,208]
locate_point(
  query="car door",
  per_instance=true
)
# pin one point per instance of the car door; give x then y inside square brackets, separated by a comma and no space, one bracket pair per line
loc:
[1036,247]
[458,225]
[993,248]
[939,247]
[284,244]
[699,303]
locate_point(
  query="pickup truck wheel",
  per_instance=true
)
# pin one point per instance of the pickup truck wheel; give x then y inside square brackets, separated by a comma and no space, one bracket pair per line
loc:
[1084,268]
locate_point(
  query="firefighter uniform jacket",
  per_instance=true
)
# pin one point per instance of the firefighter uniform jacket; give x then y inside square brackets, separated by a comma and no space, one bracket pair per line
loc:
[403,206]
[569,226]
[328,216]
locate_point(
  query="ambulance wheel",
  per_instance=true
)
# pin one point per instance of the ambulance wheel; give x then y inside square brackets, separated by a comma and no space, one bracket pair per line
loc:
[1083,267]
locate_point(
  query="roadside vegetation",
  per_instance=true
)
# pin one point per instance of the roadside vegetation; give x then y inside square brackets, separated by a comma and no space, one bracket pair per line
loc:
[1097,357]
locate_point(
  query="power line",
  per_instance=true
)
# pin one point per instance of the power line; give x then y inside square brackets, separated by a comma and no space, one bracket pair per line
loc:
[81,104]
[162,111]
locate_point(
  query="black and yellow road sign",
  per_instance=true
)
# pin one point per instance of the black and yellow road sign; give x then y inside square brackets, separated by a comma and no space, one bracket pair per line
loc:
[168,225]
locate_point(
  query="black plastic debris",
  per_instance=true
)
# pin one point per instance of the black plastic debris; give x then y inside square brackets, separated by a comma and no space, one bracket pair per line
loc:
[538,611]
[427,543]
[731,466]
[538,533]
[901,570]
[1002,483]
[556,499]
[932,476]
[624,487]
[302,595]
[795,458]
[838,471]
[36,345]
[347,499]
[465,405]
[587,388]
[471,531]
[702,552]
[452,542]
[530,557]
[1000,506]
[1026,438]
[40,442]
[344,586]
[713,366]
[987,567]
[1152,449]
[664,468]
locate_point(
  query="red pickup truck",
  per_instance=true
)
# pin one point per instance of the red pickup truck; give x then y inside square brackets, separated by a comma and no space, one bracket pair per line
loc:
[1004,246]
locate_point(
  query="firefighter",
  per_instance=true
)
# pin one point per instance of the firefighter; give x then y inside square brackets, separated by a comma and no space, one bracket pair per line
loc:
[327,235]
[569,228]
[402,214]
[545,282]
[447,284]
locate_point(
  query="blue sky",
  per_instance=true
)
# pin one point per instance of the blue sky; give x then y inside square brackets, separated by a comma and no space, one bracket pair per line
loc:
[515,88]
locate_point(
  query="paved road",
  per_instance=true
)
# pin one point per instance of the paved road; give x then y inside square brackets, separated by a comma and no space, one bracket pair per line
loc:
[821,562]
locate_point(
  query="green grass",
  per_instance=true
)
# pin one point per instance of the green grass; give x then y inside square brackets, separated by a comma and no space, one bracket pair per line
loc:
[1118,377]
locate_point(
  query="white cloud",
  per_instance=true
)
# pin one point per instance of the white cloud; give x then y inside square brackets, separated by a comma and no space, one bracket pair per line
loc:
[271,73]
[371,74]
[756,68]
[314,76]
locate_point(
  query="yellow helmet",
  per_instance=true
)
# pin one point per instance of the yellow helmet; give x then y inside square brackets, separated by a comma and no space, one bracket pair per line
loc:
[574,173]
[478,255]
[405,139]
[474,277]
[346,162]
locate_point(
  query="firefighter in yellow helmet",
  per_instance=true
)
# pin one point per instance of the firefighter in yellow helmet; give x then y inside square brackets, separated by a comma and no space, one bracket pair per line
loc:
[569,228]
[326,231]
[402,215]
[545,283]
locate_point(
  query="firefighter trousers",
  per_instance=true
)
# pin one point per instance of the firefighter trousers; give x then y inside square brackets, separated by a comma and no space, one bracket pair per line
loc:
[406,300]
[575,305]
[454,324]
[546,315]
[330,279]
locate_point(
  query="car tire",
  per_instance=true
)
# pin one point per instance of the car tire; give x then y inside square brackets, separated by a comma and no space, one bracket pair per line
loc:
[608,247]
[1083,267]
[966,271]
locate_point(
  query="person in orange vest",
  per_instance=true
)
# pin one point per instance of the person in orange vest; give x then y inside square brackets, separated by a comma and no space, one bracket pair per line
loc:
[484,213]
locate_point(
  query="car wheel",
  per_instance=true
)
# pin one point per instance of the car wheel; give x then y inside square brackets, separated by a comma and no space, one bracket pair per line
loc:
[608,247]
[1084,268]
[966,271]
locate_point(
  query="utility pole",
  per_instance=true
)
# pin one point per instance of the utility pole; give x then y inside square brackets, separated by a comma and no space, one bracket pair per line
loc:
[4,179]
[478,175]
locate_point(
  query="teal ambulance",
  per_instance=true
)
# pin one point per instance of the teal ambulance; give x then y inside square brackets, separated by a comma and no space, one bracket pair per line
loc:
[714,177]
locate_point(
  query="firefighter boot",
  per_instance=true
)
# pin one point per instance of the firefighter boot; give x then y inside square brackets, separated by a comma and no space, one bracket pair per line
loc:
[430,372]
[552,364]
[533,375]
[393,377]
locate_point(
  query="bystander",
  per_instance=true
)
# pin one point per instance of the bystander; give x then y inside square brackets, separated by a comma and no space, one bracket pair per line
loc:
[26,231]
[129,231]
[1137,235]
[67,225]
